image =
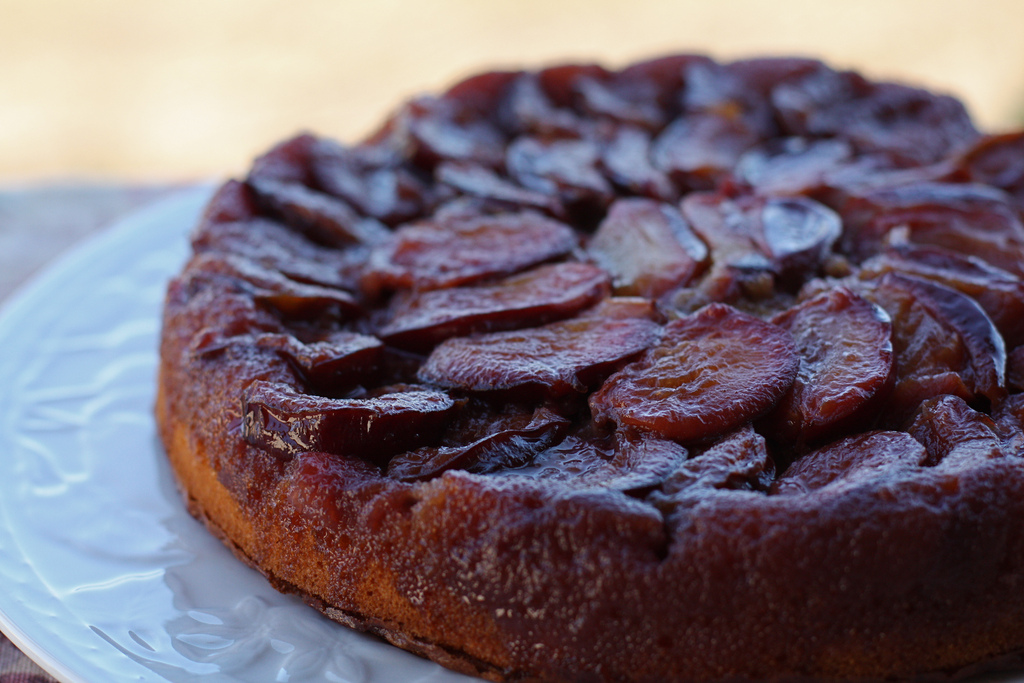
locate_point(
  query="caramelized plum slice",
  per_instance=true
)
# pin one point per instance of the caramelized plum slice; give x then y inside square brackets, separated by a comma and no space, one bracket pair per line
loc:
[372,178]
[757,238]
[565,169]
[799,233]
[438,129]
[647,247]
[792,166]
[725,113]
[910,125]
[231,203]
[1015,368]
[944,342]
[625,308]
[508,441]
[737,462]
[293,300]
[955,434]
[698,149]
[846,366]
[527,109]
[968,219]
[544,294]
[445,252]
[852,461]
[325,219]
[998,160]
[626,461]
[481,182]
[338,361]
[550,361]
[287,162]
[619,101]
[999,293]
[275,247]
[283,421]
[710,373]
[740,263]
[341,360]
[626,160]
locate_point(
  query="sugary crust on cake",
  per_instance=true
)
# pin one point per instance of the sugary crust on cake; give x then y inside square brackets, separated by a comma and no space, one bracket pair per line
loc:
[904,560]
[895,580]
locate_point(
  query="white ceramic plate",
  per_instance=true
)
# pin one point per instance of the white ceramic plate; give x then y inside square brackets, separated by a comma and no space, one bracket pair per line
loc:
[104,577]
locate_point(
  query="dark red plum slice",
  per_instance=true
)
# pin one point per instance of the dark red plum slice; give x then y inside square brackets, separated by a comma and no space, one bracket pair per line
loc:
[698,149]
[955,434]
[446,252]
[276,247]
[325,219]
[609,98]
[339,361]
[756,240]
[292,299]
[647,247]
[526,109]
[999,293]
[552,361]
[998,160]
[542,295]
[627,461]
[286,422]
[375,180]
[565,169]
[711,372]
[968,219]
[944,342]
[852,461]
[846,366]
[509,441]
[910,125]
[439,129]
[739,461]
[793,166]
[626,161]
[486,184]
[798,233]
[287,162]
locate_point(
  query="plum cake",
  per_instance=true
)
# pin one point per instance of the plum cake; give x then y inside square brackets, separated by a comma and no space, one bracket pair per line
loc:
[685,371]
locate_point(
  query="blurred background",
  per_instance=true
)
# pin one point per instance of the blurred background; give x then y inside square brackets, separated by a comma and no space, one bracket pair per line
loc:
[143,91]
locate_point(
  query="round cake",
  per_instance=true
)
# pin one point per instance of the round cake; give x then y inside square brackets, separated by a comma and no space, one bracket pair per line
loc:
[686,371]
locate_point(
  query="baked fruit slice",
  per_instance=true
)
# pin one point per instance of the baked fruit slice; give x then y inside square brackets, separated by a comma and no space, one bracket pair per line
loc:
[687,371]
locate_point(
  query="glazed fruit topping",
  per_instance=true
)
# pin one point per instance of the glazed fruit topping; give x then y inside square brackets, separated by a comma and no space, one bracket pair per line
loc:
[851,461]
[459,251]
[290,298]
[664,280]
[944,342]
[648,248]
[547,293]
[340,361]
[846,366]
[999,293]
[500,442]
[284,421]
[711,372]
[629,461]
[550,362]
[969,219]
